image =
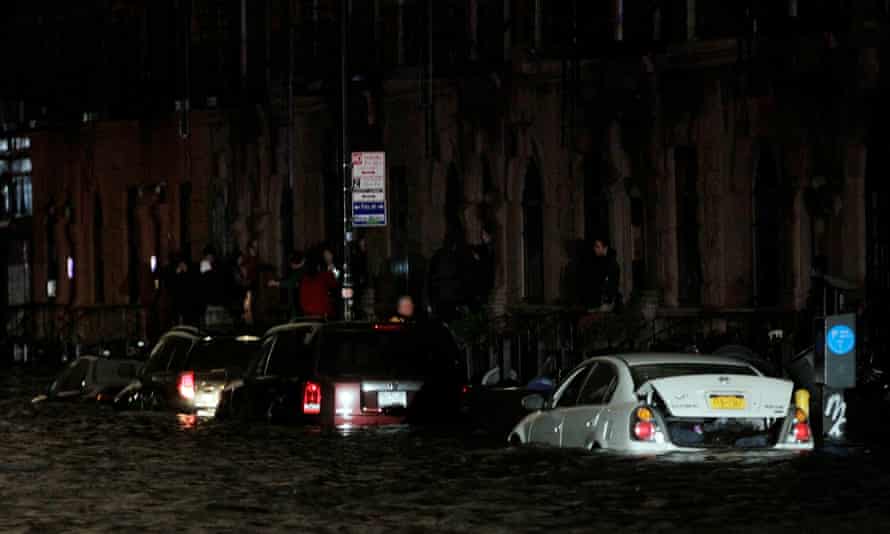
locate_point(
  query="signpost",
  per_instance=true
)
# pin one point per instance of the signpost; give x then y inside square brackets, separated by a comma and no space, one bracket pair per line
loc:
[368,189]
[835,363]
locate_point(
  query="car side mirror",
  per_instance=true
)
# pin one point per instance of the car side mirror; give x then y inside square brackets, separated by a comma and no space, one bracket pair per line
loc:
[534,402]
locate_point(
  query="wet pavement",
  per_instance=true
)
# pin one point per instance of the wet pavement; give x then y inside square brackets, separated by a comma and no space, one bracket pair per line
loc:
[79,468]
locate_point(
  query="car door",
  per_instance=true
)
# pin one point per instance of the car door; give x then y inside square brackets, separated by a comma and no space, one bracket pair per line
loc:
[586,423]
[168,379]
[153,373]
[253,399]
[278,390]
[546,429]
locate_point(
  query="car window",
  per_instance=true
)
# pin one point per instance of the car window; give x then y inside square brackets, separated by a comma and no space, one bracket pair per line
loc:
[221,353]
[160,356]
[385,353]
[180,354]
[568,392]
[290,356]
[257,366]
[600,385]
[112,373]
[74,378]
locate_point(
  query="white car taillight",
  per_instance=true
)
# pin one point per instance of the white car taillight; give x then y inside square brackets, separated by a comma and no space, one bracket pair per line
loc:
[644,427]
[799,427]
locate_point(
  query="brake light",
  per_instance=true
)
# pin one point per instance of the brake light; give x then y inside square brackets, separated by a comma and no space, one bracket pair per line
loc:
[392,327]
[644,431]
[311,398]
[643,425]
[802,432]
[186,385]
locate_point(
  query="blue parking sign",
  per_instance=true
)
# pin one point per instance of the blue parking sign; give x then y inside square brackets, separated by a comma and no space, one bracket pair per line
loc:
[840,339]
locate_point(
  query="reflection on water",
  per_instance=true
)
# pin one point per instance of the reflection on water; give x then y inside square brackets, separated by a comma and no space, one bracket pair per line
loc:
[187,421]
[77,468]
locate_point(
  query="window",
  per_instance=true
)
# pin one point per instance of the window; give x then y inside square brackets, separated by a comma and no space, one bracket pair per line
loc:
[179,357]
[290,355]
[15,177]
[257,366]
[18,274]
[74,378]
[221,354]
[600,385]
[568,394]
[533,233]
[160,356]
[383,353]
[688,252]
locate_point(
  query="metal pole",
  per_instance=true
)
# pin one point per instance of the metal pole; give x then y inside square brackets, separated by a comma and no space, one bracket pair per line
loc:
[244,46]
[287,223]
[346,162]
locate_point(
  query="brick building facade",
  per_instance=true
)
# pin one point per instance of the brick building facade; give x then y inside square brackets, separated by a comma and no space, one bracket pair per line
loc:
[713,148]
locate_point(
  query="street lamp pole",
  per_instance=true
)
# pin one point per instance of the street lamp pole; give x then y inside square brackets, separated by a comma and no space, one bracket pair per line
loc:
[345,163]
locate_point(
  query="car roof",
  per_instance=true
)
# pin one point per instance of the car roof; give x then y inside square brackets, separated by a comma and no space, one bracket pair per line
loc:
[292,326]
[669,358]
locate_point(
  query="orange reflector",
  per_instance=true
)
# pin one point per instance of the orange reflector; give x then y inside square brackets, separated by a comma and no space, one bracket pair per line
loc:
[800,416]
[802,401]
[644,414]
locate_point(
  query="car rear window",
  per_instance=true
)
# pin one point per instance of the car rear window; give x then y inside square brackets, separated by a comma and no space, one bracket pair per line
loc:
[222,354]
[376,353]
[644,373]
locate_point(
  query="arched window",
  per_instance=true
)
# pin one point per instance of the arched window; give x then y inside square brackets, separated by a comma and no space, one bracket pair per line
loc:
[533,233]
[689,260]
[454,196]
[98,261]
[766,253]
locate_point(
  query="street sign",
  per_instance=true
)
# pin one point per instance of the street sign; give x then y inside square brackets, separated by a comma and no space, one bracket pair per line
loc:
[840,351]
[368,189]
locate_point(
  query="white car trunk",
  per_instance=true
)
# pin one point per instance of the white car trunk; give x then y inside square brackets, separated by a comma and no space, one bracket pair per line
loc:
[733,396]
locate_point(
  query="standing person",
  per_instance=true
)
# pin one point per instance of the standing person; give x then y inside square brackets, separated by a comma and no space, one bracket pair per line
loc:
[316,288]
[606,276]
[244,278]
[483,272]
[330,263]
[360,274]
[291,282]
[212,288]
[180,284]
[404,310]
[448,278]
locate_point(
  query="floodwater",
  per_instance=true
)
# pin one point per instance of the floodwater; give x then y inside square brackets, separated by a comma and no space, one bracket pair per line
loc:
[80,468]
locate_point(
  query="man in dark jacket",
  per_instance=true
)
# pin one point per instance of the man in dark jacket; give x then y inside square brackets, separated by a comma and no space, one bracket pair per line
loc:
[291,282]
[607,275]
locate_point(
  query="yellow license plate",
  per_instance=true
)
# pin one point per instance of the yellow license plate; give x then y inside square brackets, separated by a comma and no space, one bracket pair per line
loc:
[727,402]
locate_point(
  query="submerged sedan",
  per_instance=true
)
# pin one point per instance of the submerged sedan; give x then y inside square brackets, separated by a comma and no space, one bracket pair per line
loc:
[652,403]
[91,378]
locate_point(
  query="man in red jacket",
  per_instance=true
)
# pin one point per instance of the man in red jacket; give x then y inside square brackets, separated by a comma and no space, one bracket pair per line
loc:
[315,291]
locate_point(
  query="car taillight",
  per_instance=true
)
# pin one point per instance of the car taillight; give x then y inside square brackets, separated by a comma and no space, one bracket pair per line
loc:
[802,432]
[644,431]
[800,426]
[643,425]
[186,385]
[311,398]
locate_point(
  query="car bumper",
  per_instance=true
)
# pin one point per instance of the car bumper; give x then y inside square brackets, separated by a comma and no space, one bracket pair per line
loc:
[667,447]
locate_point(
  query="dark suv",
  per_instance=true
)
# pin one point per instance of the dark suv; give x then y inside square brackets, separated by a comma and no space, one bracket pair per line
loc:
[187,369]
[350,374]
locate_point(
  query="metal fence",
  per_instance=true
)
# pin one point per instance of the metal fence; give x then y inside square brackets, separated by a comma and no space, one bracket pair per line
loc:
[529,341]
[41,331]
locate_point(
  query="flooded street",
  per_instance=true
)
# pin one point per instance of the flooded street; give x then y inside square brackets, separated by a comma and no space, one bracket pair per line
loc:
[78,468]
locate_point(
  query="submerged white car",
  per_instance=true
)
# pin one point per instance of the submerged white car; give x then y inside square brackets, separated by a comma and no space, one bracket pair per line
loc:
[654,403]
